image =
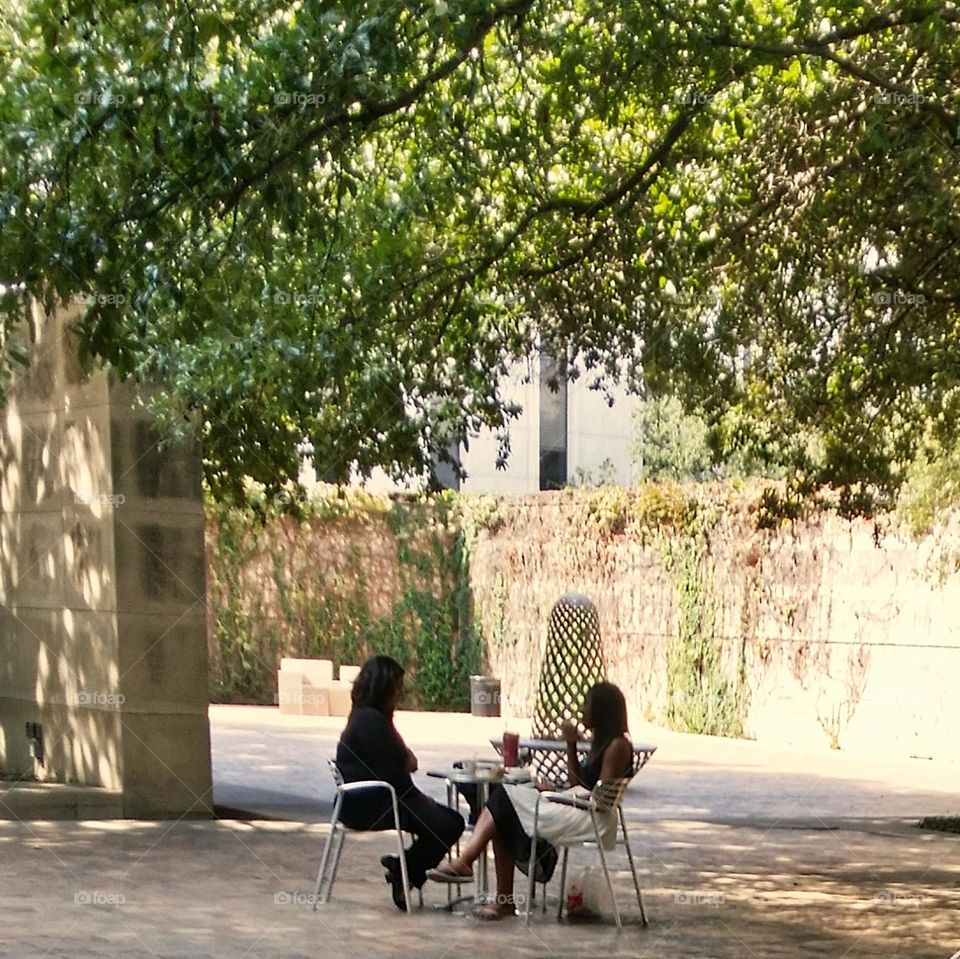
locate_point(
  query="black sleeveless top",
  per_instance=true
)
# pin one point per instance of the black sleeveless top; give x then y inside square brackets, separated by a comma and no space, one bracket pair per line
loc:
[589,771]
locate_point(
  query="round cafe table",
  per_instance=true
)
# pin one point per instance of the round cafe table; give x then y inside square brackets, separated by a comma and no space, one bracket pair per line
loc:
[482,776]
[642,752]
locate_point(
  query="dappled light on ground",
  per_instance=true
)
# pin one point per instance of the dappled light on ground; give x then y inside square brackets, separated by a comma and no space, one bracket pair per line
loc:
[729,892]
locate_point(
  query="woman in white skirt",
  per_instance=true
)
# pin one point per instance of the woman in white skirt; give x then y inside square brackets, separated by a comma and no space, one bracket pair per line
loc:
[507,819]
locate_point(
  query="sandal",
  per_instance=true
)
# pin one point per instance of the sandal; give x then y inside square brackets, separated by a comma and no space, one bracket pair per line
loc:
[493,913]
[446,872]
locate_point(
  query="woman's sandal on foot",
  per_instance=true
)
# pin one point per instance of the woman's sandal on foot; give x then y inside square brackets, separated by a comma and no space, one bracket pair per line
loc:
[493,913]
[446,872]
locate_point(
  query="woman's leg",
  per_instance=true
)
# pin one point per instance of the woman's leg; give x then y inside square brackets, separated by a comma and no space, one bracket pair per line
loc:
[483,832]
[505,864]
[436,829]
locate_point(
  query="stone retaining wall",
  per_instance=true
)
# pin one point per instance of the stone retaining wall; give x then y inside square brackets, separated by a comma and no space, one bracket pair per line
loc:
[845,631]
[823,631]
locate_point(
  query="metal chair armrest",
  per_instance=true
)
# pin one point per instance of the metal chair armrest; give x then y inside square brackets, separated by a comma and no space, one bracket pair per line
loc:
[563,799]
[367,784]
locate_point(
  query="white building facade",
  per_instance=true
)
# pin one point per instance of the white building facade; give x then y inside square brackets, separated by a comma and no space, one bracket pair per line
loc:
[562,437]
[568,435]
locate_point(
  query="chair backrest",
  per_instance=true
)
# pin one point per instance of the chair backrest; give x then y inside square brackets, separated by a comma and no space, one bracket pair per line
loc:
[335,772]
[608,793]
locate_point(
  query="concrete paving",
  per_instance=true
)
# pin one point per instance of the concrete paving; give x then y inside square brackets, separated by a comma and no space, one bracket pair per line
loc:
[277,765]
[28,800]
[744,852]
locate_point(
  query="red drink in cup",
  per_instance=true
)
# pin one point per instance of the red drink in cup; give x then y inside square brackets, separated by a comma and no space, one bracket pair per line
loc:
[511,749]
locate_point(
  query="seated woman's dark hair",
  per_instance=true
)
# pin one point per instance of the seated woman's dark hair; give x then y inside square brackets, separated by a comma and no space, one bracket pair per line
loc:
[608,716]
[376,683]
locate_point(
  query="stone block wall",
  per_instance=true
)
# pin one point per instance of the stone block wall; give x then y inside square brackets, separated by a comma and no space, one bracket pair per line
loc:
[102,579]
[839,632]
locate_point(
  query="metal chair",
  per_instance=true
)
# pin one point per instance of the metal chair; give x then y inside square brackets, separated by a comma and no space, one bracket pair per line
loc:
[606,798]
[338,833]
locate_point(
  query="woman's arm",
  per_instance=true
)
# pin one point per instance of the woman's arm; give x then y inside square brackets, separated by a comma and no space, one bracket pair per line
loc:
[383,751]
[616,758]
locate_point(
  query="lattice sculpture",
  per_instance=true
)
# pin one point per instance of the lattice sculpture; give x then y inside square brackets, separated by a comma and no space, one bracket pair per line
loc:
[572,664]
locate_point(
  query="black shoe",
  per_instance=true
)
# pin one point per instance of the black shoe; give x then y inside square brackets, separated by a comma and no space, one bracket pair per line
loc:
[394,878]
[399,899]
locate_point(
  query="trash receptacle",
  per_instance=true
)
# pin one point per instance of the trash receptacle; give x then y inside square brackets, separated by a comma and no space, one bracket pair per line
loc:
[484,696]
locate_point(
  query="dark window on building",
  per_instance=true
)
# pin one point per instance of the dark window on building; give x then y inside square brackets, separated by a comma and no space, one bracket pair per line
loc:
[329,474]
[447,475]
[553,424]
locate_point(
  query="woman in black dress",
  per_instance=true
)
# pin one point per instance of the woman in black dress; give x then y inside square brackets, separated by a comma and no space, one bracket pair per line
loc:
[371,748]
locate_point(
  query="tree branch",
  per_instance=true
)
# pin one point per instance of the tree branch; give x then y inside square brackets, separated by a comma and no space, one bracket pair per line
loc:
[370,113]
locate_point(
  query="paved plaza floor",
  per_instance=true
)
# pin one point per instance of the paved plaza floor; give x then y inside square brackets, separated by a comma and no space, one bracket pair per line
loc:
[745,851]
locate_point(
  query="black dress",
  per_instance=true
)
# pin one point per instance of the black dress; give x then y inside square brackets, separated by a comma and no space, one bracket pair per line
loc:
[511,831]
[371,748]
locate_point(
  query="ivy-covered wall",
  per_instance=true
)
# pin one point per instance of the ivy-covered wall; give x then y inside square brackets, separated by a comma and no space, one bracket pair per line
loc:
[340,576]
[736,611]
[643,557]
[723,610]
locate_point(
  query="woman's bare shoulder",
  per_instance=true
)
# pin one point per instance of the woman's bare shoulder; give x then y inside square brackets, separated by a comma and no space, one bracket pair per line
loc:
[619,753]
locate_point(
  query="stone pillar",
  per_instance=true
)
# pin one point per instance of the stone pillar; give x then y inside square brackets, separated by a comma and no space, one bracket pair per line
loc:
[102,587]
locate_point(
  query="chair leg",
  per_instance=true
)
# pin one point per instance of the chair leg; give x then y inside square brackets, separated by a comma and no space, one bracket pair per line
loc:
[334,821]
[402,855]
[531,876]
[450,805]
[337,853]
[543,896]
[606,873]
[320,872]
[404,875]
[563,883]
[633,867]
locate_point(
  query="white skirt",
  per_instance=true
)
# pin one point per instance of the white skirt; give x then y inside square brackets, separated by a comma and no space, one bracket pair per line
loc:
[559,823]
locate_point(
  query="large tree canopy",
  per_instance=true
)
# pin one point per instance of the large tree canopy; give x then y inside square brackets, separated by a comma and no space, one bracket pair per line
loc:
[337,222]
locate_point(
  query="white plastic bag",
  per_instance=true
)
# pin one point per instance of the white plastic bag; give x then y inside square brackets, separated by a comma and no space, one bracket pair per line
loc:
[587,894]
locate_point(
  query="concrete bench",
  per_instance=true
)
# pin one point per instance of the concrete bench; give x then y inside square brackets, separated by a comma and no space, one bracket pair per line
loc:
[306,687]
